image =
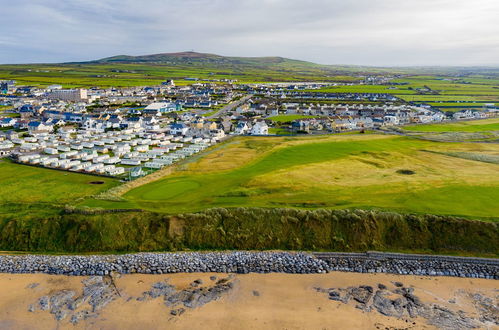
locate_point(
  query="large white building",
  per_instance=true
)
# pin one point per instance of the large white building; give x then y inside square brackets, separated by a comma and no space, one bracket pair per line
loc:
[74,95]
[162,107]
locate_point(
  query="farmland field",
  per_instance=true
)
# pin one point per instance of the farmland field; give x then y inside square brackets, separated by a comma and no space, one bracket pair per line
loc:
[348,171]
[125,75]
[443,93]
[463,126]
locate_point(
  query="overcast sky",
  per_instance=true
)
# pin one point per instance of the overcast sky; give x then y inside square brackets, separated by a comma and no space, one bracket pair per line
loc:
[364,32]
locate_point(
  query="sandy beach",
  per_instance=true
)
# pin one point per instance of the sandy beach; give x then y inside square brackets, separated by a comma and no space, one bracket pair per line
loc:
[256,301]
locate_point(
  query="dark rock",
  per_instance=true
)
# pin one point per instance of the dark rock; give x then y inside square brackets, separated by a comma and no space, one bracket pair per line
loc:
[362,294]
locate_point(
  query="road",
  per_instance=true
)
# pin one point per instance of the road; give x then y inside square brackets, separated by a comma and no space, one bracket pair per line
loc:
[230,107]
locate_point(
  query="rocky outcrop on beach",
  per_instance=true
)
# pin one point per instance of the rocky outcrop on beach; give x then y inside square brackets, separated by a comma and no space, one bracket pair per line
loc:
[98,291]
[402,303]
[195,296]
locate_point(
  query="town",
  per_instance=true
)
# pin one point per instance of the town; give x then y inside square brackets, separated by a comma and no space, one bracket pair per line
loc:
[131,132]
[262,164]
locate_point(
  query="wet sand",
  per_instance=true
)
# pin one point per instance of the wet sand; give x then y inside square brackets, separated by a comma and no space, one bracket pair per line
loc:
[257,301]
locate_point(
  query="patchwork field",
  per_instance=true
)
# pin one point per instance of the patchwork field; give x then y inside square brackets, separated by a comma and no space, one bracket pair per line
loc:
[131,74]
[485,125]
[441,92]
[342,171]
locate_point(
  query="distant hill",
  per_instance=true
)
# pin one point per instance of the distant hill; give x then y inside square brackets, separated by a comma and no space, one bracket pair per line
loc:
[212,60]
[193,57]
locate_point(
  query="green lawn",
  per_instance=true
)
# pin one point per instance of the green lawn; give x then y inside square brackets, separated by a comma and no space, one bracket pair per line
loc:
[350,173]
[279,131]
[485,125]
[22,184]
[288,118]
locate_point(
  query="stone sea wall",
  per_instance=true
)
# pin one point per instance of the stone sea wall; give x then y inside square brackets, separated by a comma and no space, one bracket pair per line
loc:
[251,262]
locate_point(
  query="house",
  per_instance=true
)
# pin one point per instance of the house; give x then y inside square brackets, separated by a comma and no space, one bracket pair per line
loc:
[151,123]
[93,124]
[55,122]
[7,122]
[242,128]
[188,116]
[37,126]
[438,116]
[27,108]
[301,125]
[179,129]
[390,120]
[468,114]
[227,125]
[260,128]
[210,125]
[134,122]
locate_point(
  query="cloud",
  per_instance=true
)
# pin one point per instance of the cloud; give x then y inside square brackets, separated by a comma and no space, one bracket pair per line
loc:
[367,32]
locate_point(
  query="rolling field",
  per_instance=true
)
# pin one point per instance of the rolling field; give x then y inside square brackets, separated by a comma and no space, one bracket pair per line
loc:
[485,125]
[446,93]
[348,171]
[126,75]
[22,184]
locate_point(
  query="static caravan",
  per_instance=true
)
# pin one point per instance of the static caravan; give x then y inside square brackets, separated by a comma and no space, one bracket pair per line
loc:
[133,162]
[50,151]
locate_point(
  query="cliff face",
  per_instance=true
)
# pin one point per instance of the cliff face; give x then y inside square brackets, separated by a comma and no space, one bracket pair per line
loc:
[248,229]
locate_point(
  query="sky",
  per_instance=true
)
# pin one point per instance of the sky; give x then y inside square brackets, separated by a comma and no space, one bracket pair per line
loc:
[357,32]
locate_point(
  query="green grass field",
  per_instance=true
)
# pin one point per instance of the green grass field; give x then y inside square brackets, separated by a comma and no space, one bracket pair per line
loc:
[350,171]
[447,93]
[125,75]
[288,118]
[457,104]
[279,131]
[485,125]
[22,184]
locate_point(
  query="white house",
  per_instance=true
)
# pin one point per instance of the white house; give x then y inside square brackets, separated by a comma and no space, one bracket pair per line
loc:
[242,128]
[36,126]
[179,129]
[260,128]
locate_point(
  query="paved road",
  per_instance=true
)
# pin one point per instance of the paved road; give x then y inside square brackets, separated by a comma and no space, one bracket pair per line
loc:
[230,107]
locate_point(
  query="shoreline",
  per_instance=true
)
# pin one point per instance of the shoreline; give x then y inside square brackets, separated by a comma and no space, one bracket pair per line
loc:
[334,300]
